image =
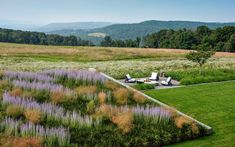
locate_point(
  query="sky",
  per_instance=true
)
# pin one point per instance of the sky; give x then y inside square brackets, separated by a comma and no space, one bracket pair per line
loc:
[119,11]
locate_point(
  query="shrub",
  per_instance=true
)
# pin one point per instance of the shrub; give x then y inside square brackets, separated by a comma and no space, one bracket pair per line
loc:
[144,86]
[90,108]
[16,92]
[33,115]
[124,121]
[121,96]
[86,90]
[102,97]
[14,110]
[111,85]
[139,98]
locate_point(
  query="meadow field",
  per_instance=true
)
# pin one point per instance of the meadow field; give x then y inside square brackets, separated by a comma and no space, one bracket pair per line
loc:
[140,62]
[117,62]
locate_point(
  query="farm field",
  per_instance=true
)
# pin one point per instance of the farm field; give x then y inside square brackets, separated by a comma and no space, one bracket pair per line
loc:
[212,104]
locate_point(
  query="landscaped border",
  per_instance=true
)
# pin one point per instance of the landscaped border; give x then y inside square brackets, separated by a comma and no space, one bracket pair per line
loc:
[209,129]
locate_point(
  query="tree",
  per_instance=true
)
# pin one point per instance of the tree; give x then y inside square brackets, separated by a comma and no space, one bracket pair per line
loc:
[107,41]
[230,45]
[200,57]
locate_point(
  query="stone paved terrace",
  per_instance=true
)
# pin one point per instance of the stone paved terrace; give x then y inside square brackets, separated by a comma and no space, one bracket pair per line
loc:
[175,83]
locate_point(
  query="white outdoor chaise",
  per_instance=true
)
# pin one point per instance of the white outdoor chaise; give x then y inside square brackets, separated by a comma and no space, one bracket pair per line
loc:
[167,82]
[128,79]
[154,77]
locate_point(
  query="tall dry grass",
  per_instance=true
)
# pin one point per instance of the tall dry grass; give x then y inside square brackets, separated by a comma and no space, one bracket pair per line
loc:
[121,96]
[123,118]
[14,110]
[102,97]
[86,90]
[33,116]
[111,85]
[16,92]
[57,97]
[124,121]
[138,98]
[23,142]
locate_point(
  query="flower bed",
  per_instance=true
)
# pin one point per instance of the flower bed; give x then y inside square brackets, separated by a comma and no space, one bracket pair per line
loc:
[77,107]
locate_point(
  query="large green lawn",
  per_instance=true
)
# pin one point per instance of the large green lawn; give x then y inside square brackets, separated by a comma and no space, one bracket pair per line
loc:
[212,104]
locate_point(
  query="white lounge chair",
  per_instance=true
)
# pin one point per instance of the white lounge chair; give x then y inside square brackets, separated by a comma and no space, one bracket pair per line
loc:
[167,82]
[154,77]
[128,79]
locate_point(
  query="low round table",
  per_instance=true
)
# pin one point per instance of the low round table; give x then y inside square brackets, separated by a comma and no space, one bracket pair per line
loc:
[152,83]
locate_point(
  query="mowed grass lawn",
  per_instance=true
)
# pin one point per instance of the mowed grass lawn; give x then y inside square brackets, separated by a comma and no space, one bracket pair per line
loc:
[212,104]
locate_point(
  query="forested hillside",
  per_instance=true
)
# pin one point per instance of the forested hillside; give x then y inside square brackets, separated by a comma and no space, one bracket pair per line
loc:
[26,37]
[133,30]
[220,39]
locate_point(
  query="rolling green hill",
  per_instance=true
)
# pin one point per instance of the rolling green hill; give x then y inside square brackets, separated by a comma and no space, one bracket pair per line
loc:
[131,31]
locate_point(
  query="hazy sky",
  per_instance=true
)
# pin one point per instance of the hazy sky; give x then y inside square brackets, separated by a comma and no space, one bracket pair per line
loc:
[47,11]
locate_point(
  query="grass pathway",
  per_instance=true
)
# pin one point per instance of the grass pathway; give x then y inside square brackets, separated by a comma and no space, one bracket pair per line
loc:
[212,104]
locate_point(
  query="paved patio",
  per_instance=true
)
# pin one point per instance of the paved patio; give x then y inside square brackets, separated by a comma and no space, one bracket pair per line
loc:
[175,83]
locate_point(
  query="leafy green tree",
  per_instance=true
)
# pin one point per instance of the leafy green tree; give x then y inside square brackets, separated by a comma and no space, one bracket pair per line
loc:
[230,45]
[107,41]
[200,57]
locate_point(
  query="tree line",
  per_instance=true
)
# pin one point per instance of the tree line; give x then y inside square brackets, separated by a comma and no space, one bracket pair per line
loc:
[220,39]
[109,42]
[26,37]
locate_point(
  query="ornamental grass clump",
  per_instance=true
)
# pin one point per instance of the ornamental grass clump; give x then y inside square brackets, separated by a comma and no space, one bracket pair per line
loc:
[181,121]
[57,97]
[121,96]
[138,98]
[156,115]
[16,92]
[90,108]
[124,121]
[14,111]
[86,90]
[111,85]
[33,116]
[102,97]
[5,85]
[24,142]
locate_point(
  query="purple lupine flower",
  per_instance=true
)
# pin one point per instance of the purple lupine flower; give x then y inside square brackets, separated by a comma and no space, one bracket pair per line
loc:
[156,114]
[34,85]
[59,134]
[77,75]
[27,76]
[51,111]
[37,85]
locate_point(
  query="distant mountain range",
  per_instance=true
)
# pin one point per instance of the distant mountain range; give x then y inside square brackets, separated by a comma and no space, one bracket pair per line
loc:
[131,31]
[95,31]
[72,26]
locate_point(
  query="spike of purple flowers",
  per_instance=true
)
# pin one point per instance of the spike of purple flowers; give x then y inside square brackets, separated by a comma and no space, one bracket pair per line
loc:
[51,111]
[27,76]
[59,134]
[77,75]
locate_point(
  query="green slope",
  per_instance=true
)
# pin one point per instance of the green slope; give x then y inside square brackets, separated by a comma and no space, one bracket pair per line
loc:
[213,104]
